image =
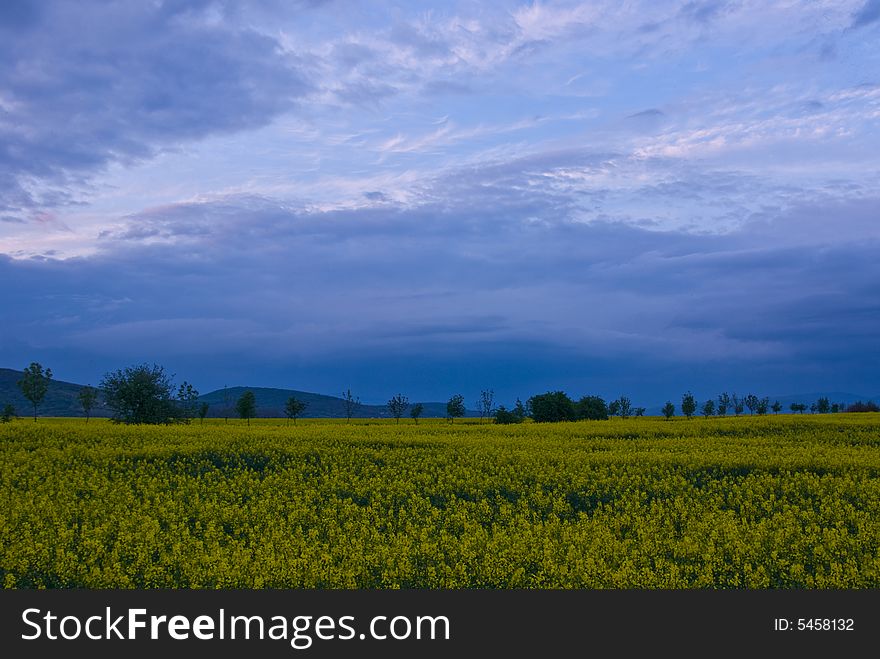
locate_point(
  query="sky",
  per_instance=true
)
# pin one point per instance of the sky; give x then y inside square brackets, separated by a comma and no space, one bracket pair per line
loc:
[430,198]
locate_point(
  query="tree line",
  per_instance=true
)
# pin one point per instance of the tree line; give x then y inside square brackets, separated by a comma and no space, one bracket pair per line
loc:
[146,394]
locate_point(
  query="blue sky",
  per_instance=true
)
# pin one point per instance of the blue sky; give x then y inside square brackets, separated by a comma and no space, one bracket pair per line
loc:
[617,198]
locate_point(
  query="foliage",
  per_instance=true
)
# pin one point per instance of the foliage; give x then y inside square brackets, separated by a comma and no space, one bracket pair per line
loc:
[668,410]
[247,406]
[798,407]
[688,404]
[455,408]
[187,400]
[723,403]
[88,397]
[294,408]
[416,411]
[552,406]
[763,406]
[708,408]
[203,411]
[823,406]
[859,406]
[622,407]
[397,406]
[8,413]
[504,416]
[591,407]
[787,502]
[34,384]
[776,407]
[140,394]
[751,401]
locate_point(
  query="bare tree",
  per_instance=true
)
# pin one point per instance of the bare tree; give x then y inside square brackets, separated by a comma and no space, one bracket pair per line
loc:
[351,404]
[486,403]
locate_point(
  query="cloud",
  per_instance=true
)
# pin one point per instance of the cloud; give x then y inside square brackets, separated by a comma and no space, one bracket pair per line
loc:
[93,84]
[869,13]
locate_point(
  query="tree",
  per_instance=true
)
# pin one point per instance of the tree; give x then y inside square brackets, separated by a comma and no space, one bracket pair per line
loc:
[397,406]
[751,401]
[762,406]
[798,407]
[738,404]
[624,407]
[505,416]
[708,408]
[293,408]
[723,403]
[613,408]
[859,406]
[835,408]
[551,407]
[639,411]
[455,408]
[776,407]
[8,413]
[591,407]
[688,405]
[140,394]
[187,398]
[247,406]
[486,403]
[227,404]
[416,412]
[34,384]
[87,396]
[823,406]
[351,404]
[203,411]
[520,410]
[669,410]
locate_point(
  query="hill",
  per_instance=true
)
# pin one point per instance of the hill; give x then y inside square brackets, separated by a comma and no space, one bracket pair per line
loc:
[61,397]
[270,403]
[61,400]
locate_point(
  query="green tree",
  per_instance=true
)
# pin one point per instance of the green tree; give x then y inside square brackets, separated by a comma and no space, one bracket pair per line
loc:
[614,407]
[88,397]
[455,408]
[688,405]
[763,406]
[140,394]
[823,406]
[505,416]
[247,406]
[203,411]
[669,410]
[591,407]
[187,399]
[624,407]
[8,413]
[34,384]
[416,412]
[639,411]
[397,406]
[552,407]
[351,404]
[709,408]
[723,403]
[293,408]
[776,407]
[520,411]
[751,401]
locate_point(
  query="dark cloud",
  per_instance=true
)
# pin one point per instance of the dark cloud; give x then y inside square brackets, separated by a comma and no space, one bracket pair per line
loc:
[481,275]
[93,83]
[869,13]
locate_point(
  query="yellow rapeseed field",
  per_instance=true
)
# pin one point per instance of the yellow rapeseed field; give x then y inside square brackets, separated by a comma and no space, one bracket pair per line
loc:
[770,502]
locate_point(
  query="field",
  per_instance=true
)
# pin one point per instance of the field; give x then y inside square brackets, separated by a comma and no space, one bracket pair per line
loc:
[771,502]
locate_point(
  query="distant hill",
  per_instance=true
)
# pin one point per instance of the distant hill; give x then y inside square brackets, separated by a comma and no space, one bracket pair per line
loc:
[61,397]
[61,400]
[270,403]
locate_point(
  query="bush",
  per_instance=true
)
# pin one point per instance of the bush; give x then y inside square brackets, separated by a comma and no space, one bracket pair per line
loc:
[591,407]
[552,406]
[859,406]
